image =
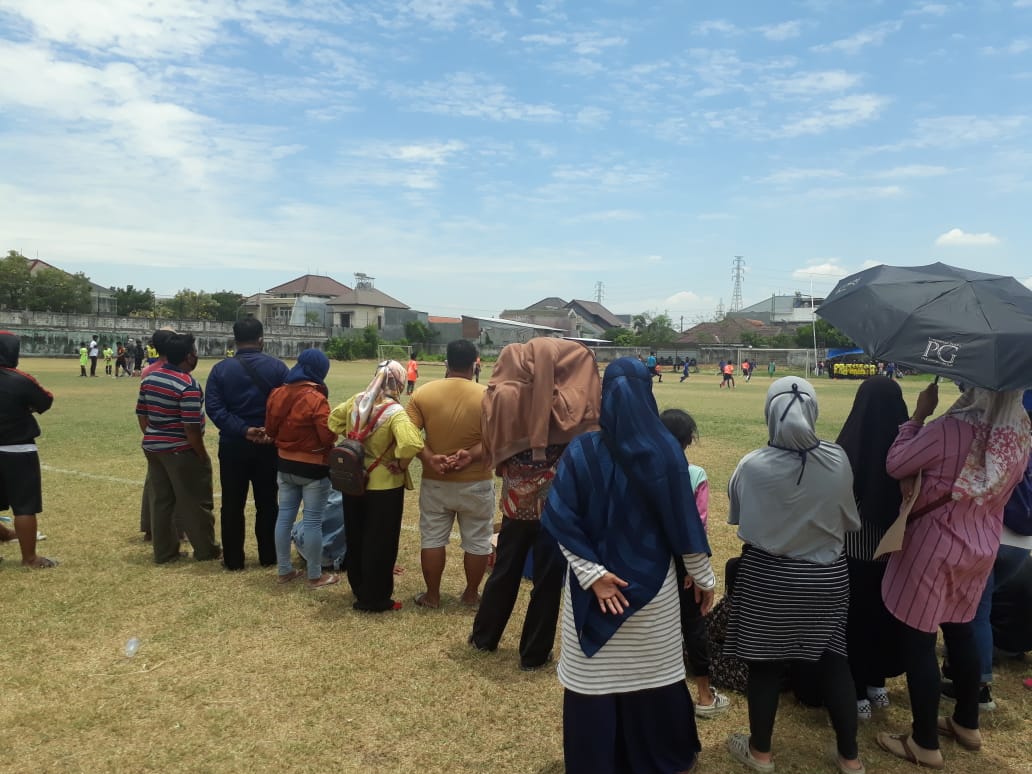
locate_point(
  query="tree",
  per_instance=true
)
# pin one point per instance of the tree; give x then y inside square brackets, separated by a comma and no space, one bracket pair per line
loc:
[132,301]
[189,304]
[14,280]
[621,337]
[227,305]
[418,332]
[827,336]
[53,290]
[653,330]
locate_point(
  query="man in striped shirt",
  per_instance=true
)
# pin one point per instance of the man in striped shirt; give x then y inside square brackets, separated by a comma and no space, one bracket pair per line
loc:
[170,411]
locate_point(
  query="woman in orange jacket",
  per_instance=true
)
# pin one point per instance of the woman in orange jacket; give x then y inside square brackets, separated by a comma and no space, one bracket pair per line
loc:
[296,419]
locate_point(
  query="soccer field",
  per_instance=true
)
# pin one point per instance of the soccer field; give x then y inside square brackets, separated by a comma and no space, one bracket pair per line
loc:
[235,673]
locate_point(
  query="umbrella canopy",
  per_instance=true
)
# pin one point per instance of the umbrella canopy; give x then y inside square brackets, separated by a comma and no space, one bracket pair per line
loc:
[965,325]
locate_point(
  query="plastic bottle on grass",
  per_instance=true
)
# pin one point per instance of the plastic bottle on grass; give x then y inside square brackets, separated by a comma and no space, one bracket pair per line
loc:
[131,646]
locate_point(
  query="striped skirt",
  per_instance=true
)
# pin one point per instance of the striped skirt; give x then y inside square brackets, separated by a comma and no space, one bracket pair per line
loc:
[787,609]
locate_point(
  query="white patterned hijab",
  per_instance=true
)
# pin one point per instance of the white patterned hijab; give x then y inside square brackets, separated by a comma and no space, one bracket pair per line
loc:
[388,382]
[1001,444]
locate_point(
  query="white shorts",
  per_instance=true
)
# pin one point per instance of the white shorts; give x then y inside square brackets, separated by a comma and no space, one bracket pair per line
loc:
[472,503]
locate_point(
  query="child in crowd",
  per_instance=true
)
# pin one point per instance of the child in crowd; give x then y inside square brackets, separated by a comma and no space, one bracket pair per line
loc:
[108,355]
[84,358]
[693,625]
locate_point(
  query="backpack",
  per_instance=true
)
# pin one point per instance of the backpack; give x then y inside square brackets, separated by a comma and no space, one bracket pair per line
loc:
[1017,514]
[348,473]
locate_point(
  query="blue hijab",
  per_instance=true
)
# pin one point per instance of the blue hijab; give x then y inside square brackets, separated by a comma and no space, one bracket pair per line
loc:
[623,498]
[312,366]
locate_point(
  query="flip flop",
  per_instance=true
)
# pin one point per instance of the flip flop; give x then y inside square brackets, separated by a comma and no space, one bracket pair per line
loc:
[41,563]
[420,601]
[289,576]
[333,580]
[968,738]
[902,746]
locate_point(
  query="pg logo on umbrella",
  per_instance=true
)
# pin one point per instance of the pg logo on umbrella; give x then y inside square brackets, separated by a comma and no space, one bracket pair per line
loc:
[941,352]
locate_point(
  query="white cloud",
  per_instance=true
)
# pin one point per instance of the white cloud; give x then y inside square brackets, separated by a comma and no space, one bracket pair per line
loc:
[929,9]
[913,170]
[592,117]
[795,174]
[838,114]
[717,27]
[1023,3]
[608,216]
[855,192]
[869,264]
[471,95]
[782,31]
[871,36]
[956,237]
[955,131]
[821,268]
[1027,282]
[1014,48]
[810,83]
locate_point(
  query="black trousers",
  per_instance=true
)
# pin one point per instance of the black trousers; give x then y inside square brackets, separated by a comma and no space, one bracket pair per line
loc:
[924,678]
[766,679]
[872,634]
[242,463]
[372,525]
[693,627]
[93,365]
[515,540]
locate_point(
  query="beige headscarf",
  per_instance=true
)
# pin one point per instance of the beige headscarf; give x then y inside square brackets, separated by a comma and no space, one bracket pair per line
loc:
[387,384]
[1001,443]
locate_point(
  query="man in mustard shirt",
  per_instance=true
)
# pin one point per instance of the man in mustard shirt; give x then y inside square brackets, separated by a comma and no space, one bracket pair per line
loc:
[455,485]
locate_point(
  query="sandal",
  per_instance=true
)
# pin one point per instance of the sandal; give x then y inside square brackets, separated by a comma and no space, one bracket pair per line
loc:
[324,581]
[738,746]
[41,563]
[289,576]
[968,738]
[902,746]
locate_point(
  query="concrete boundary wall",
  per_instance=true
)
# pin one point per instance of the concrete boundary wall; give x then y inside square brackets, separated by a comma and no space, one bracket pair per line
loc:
[51,334]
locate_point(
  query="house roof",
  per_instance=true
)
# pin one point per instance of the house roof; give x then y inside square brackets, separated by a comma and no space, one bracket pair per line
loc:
[727,331]
[443,320]
[552,302]
[366,297]
[35,264]
[597,310]
[310,285]
[513,323]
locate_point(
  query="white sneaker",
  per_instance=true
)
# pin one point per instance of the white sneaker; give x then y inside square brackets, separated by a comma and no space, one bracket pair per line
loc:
[863,709]
[718,707]
[879,697]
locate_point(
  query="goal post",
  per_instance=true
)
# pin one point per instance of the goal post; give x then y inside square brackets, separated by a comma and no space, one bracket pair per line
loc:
[399,352]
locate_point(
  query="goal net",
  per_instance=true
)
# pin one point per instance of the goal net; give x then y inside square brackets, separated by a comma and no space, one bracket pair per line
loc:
[786,361]
[399,352]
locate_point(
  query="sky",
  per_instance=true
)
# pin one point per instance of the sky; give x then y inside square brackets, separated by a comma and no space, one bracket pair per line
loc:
[478,155]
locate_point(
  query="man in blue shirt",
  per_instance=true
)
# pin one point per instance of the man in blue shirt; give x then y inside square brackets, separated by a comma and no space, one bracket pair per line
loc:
[235,397]
[650,363]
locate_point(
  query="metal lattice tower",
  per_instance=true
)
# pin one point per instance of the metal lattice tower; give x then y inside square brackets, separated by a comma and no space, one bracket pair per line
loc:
[600,291]
[738,275]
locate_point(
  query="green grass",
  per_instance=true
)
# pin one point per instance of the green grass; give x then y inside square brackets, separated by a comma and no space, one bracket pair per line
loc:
[236,674]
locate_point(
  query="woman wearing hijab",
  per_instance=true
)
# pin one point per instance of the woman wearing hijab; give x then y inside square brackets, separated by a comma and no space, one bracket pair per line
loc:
[869,431]
[542,394]
[793,504]
[295,417]
[970,460]
[372,522]
[618,510]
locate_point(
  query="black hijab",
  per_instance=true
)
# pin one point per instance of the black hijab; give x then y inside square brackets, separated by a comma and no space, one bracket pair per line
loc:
[869,431]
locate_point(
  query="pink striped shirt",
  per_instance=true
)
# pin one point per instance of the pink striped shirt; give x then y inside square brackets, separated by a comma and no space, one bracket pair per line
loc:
[947,554]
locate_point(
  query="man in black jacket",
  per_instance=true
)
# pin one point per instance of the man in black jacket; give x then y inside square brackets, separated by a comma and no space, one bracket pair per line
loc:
[235,397]
[21,487]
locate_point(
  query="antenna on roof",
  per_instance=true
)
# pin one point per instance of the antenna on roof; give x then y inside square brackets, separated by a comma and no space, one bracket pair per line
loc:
[363,281]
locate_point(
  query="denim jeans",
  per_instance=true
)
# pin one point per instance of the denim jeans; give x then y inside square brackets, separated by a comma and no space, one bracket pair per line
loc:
[1008,561]
[293,491]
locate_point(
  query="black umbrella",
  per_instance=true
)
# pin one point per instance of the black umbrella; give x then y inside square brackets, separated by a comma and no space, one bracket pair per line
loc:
[972,327]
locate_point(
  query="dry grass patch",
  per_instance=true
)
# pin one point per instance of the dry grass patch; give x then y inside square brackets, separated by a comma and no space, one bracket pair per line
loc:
[237,674]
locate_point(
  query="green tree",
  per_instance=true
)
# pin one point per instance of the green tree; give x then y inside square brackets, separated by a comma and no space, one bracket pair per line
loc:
[369,343]
[418,332]
[827,336]
[14,280]
[227,305]
[188,304]
[653,329]
[621,337]
[53,290]
[133,301]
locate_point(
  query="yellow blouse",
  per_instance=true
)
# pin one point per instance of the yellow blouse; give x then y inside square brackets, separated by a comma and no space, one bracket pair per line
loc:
[408,442]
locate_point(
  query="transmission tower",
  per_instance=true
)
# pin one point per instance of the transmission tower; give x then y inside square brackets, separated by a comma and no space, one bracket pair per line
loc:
[600,291]
[720,311]
[738,275]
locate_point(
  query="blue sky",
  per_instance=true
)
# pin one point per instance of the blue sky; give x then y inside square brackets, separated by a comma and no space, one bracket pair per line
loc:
[474,155]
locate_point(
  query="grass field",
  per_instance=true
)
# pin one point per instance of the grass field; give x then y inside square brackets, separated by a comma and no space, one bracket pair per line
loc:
[236,674]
